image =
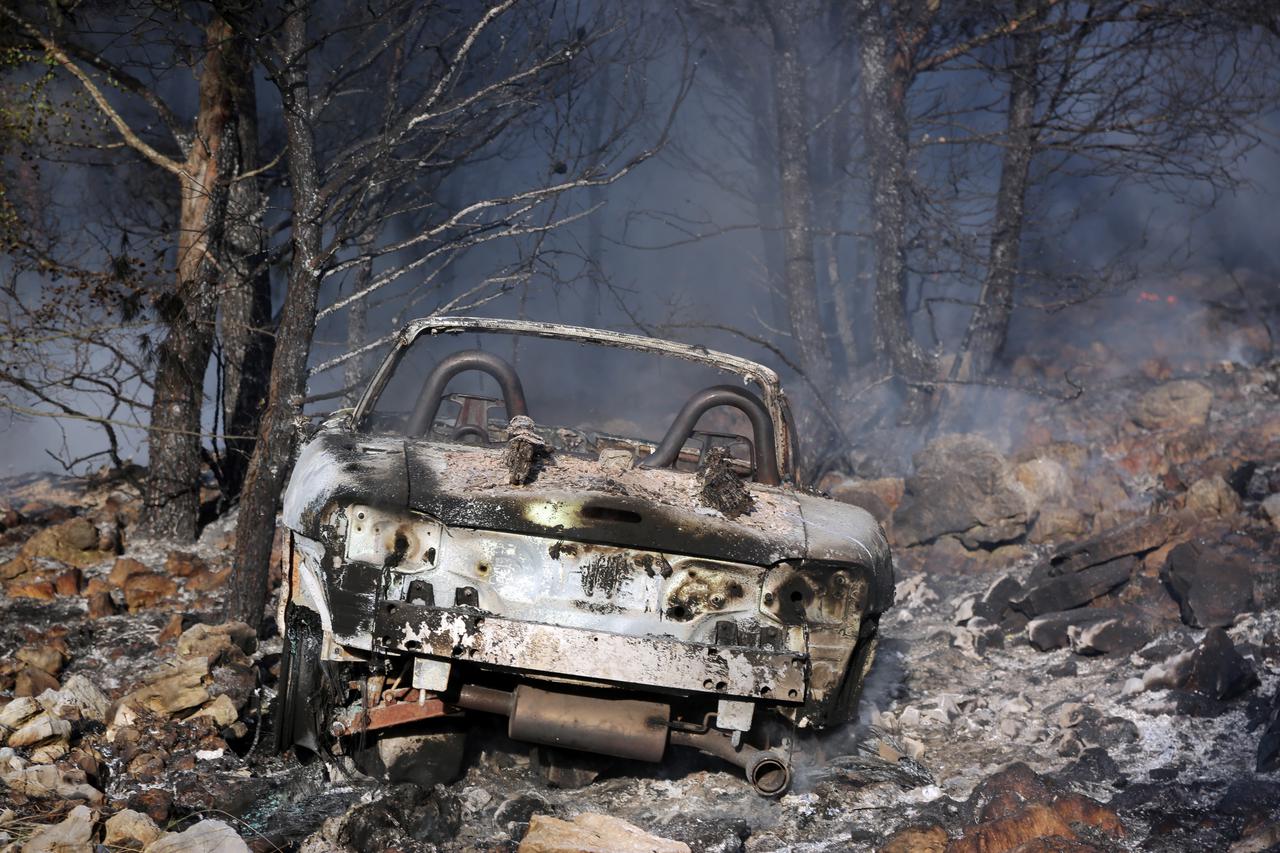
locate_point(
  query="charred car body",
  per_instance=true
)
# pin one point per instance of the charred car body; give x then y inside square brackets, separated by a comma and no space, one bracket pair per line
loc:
[591,587]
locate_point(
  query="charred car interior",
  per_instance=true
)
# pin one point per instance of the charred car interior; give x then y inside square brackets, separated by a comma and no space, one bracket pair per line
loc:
[616,580]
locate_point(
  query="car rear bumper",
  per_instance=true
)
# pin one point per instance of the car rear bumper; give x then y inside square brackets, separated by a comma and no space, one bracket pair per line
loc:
[460,634]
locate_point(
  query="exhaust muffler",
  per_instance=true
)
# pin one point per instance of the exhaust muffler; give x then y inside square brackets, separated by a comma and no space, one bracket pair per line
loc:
[624,728]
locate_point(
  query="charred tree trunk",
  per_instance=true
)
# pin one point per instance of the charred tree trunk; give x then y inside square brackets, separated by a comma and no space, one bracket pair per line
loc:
[790,99]
[277,436]
[172,490]
[357,331]
[989,324]
[883,83]
[765,198]
[246,289]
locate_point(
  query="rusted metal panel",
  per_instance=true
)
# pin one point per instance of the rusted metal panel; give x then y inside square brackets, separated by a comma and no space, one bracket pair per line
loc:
[458,634]
[413,707]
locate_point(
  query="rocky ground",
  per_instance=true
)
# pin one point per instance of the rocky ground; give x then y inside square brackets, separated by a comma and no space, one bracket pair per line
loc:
[1085,655]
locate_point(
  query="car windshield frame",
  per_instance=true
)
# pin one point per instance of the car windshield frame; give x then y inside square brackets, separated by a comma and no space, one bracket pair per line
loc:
[764,378]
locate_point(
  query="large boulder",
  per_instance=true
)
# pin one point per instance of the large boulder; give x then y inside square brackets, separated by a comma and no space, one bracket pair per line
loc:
[1211,587]
[1181,403]
[962,485]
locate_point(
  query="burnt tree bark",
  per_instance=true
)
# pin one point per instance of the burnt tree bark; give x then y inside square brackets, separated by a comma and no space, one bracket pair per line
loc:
[796,193]
[884,76]
[246,288]
[172,493]
[989,324]
[277,436]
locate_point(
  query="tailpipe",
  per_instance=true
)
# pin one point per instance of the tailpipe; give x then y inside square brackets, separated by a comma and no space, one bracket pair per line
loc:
[768,770]
[625,728]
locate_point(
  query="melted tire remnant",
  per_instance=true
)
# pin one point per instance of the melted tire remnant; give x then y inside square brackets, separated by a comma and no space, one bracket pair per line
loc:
[720,488]
[525,448]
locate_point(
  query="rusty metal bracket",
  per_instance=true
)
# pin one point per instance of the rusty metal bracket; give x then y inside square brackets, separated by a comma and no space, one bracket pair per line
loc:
[413,706]
[465,635]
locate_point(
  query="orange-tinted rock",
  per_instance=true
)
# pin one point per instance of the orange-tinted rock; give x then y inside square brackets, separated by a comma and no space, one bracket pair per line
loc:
[74,542]
[68,582]
[16,567]
[155,803]
[181,564]
[37,588]
[1056,845]
[208,580]
[916,839]
[123,568]
[1078,809]
[1034,821]
[32,682]
[147,589]
[45,657]
[1009,790]
[171,630]
[100,605]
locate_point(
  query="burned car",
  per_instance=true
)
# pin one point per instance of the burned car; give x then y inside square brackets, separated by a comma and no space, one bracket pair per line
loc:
[617,581]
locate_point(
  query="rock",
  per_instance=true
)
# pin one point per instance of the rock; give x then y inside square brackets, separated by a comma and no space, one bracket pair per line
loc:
[80,693]
[147,589]
[1259,840]
[1135,537]
[917,839]
[1182,403]
[1056,523]
[33,682]
[1035,821]
[37,588]
[221,710]
[1269,743]
[169,689]
[74,542]
[593,833]
[1045,480]
[962,485]
[1211,497]
[68,582]
[18,712]
[1211,587]
[207,836]
[100,605]
[215,641]
[130,829]
[181,564]
[1217,669]
[72,835]
[1075,589]
[1213,668]
[155,803]
[42,657]
[1050,631]
[1109,636]
[879,497]
[43,727]
[208,580]
[171,631]
[122,570]
[1271,507]
[1017,806]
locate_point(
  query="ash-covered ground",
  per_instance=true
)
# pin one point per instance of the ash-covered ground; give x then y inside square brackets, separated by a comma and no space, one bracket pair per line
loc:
[1084,655]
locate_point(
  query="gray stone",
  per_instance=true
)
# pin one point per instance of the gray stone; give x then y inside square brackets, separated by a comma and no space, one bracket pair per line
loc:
[962,485]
